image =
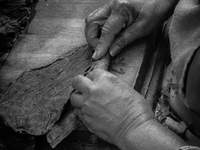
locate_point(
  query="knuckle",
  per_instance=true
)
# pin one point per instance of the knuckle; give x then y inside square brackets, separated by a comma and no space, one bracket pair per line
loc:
[87,20]
[122,42]
[97,71]
[90,18]
[95,15]
[122,5]
[108,76]
[76,79]
[92,89]
[105,31]
[124,9]
[105,74]
[86,107]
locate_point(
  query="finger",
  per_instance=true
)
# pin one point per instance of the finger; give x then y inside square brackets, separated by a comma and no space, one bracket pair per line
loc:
[94,22]
[95,74]
[81,84]
[76,100]
[101,13]
[111,28]
[92,34]
[127,36]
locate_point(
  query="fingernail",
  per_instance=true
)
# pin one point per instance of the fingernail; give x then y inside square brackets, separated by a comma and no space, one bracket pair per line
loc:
[94,55]
[96,52]
[114,50]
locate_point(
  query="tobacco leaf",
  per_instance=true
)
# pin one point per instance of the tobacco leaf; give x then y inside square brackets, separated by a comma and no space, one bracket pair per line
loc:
[34,102]
[10,140]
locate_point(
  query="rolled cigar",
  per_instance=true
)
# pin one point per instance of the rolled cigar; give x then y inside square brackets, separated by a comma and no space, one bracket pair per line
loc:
[103,63]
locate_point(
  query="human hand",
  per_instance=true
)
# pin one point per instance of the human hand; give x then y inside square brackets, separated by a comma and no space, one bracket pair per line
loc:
[114,25]
[108,106]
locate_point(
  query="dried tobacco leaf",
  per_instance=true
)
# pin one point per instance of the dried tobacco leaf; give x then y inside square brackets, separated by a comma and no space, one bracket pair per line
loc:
[34,101]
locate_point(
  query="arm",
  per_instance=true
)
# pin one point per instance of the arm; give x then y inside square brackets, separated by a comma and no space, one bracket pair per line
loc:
[151,135]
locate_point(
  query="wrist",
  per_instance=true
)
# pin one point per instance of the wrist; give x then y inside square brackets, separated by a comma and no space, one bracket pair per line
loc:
[166,7]
[129,137]
[150,135]
[169,4]
[131,127]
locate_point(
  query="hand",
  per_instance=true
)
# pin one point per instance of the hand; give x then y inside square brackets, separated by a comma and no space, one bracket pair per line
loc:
[114,25]
[108,106]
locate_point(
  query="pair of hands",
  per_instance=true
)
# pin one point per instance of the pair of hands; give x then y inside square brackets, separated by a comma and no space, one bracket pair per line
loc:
[105,104]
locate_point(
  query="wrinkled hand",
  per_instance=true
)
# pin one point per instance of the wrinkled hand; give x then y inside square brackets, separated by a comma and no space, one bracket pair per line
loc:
[114,25]
[108,106]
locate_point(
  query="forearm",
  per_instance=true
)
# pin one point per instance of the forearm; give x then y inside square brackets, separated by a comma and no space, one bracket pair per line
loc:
[166,6]
[150,135]
[171,4]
